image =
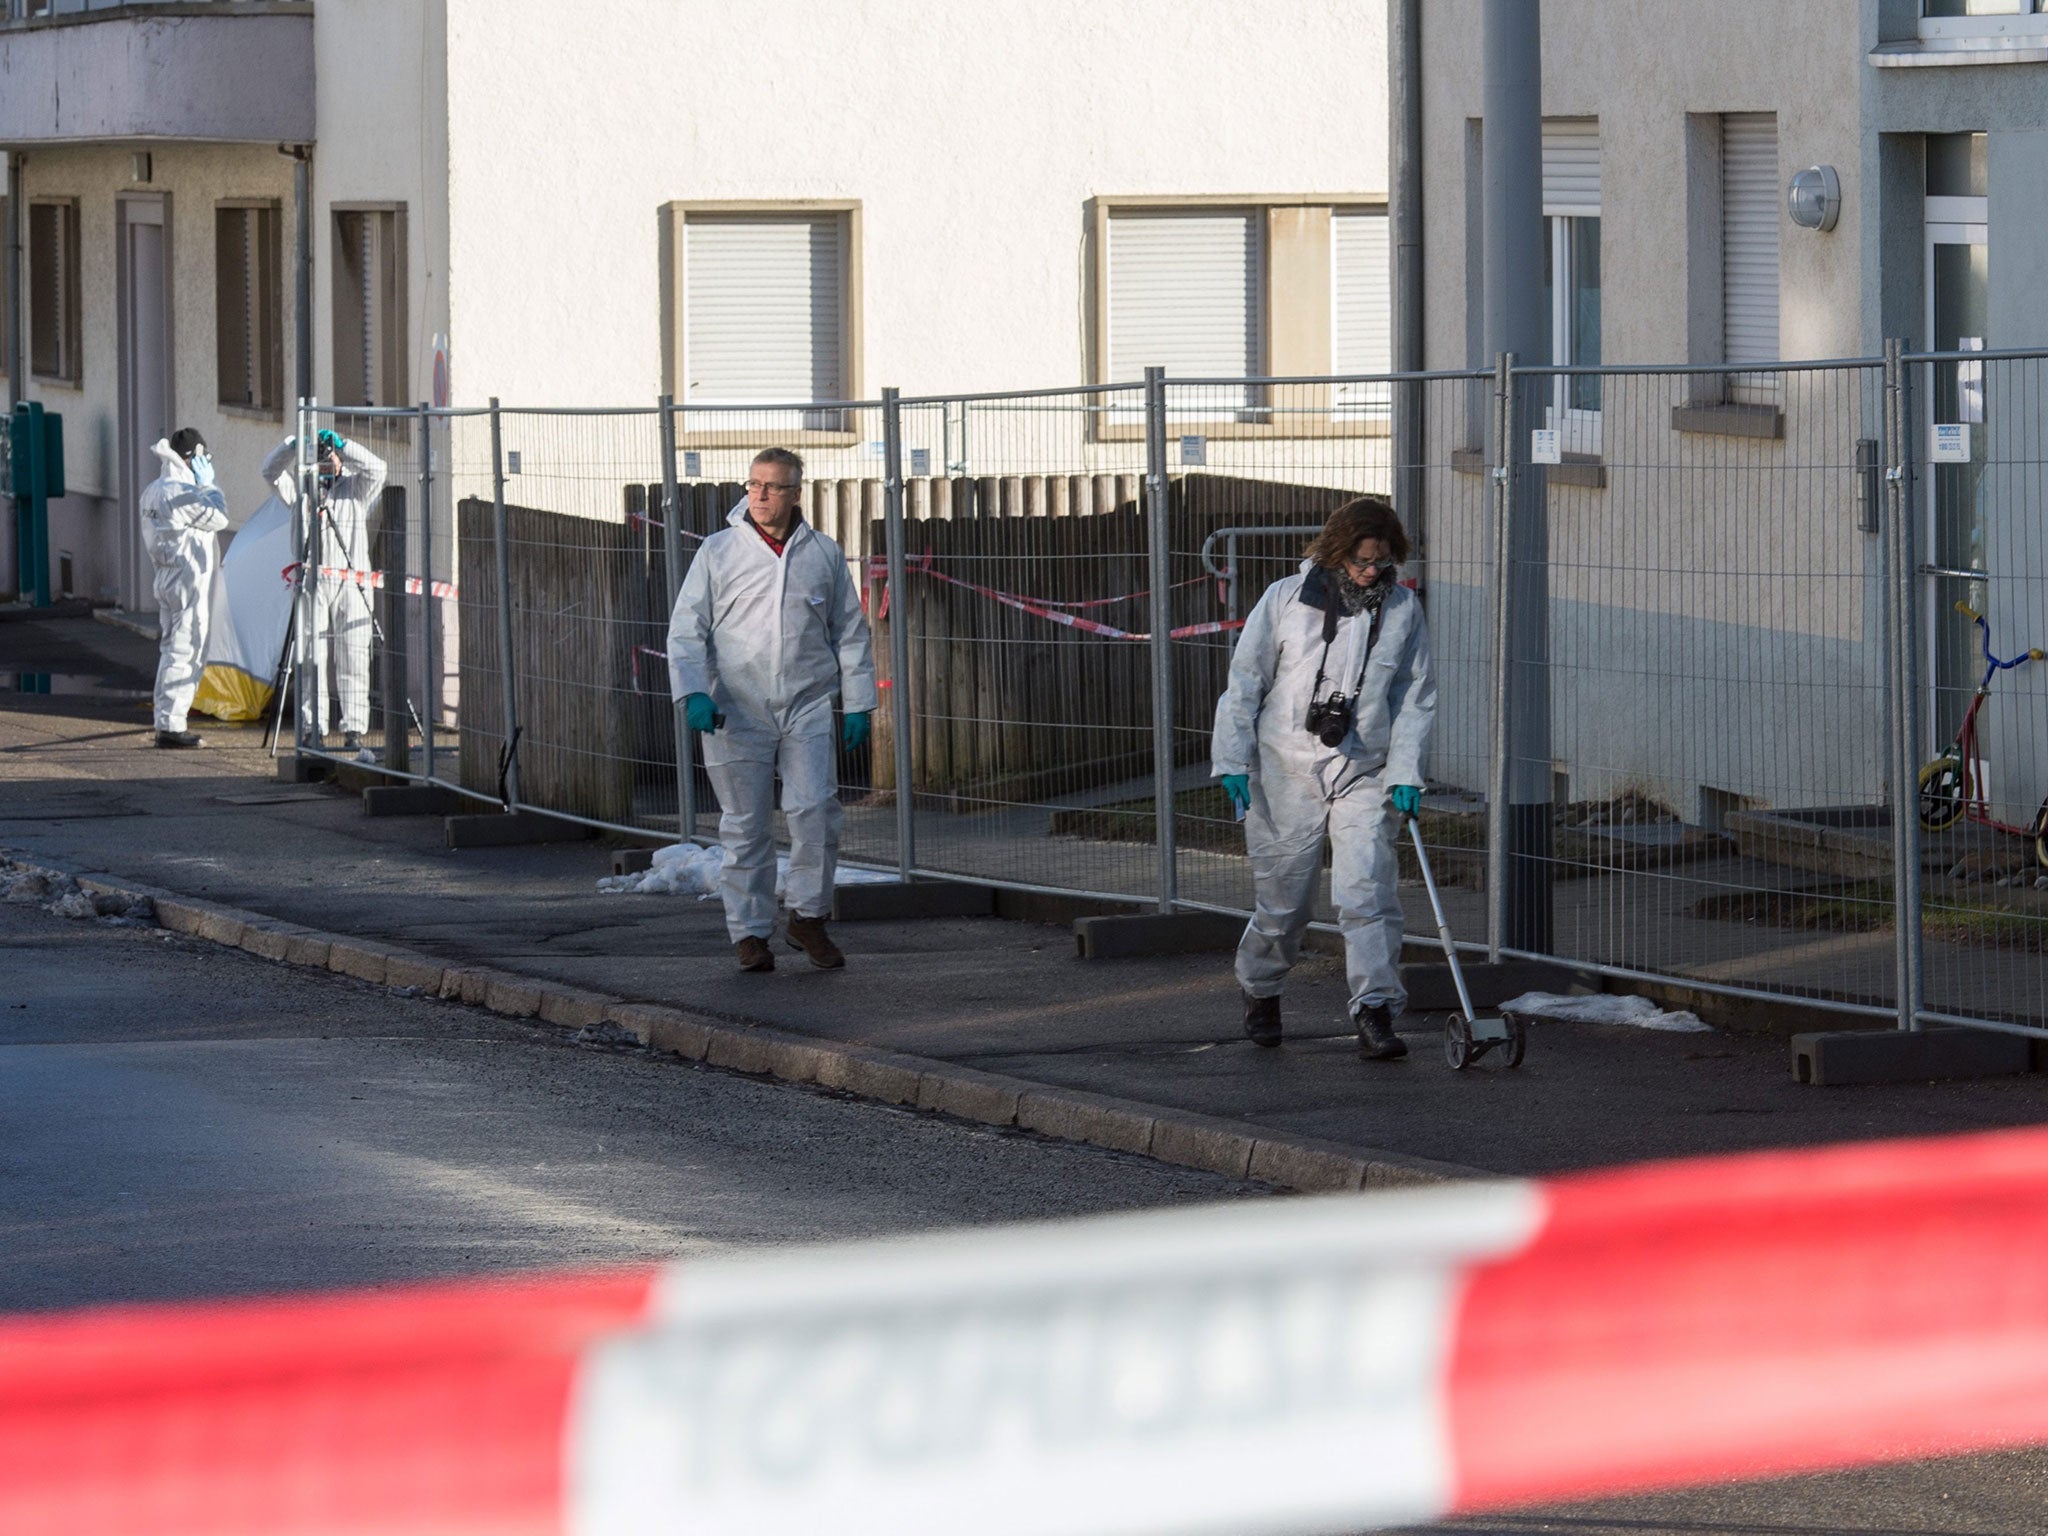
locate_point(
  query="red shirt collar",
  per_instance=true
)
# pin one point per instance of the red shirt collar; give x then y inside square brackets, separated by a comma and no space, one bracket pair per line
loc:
[778,545]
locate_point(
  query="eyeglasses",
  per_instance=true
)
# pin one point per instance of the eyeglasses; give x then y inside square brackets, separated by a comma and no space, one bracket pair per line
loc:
[1371,565]
[755,487]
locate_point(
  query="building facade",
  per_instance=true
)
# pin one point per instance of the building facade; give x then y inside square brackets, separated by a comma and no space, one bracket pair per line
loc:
[726,202]
[1671,136]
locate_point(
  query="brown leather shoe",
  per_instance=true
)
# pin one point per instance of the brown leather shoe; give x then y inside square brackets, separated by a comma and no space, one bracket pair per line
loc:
[808,934]
[755,955]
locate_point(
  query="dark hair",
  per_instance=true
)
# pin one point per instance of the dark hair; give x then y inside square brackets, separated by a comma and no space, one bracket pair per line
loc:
[1368,517]
[782,458]
[186,441]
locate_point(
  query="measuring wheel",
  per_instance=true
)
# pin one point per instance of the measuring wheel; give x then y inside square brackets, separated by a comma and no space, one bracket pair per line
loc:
[1517,1041]
[1941,794]
[1458,1042]
[2040,831]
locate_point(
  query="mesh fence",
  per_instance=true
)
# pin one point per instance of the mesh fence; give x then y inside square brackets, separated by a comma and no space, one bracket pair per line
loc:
[1981,499]
[1731,688]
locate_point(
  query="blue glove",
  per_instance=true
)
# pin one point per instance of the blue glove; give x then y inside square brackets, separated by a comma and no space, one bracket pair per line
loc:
[330,441]
[202,469]
[1407,800]
[699,711]
[1239,787]
[854,733]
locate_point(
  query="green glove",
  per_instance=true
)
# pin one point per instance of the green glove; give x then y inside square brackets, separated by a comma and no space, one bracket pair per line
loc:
[330,441]
[699,711]
[1407,800]
[854,733]
[1239,787]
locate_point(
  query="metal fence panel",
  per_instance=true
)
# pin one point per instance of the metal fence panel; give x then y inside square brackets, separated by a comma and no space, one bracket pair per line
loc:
[1981,498]
[1716,677]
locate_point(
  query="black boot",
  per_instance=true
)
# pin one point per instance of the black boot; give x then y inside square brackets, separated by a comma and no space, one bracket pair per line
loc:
[180,739]
[1262,1020]
[1376,1038]
[351,741]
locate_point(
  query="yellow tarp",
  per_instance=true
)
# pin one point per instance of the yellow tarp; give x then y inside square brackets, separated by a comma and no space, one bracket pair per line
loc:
[229,693]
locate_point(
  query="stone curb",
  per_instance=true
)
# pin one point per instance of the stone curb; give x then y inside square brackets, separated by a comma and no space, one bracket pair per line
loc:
[1181,1138]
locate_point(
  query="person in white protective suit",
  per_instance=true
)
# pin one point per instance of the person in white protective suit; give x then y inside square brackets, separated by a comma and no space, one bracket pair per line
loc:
[766,633]
[351,480]
[182,510]
[1322,731]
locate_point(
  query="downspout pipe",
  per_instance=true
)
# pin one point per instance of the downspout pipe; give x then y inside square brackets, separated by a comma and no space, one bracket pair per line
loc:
[17,358]
[1404,221]
[302,262]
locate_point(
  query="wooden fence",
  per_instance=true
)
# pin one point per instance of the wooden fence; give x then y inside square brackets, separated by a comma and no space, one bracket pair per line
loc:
[1004,704]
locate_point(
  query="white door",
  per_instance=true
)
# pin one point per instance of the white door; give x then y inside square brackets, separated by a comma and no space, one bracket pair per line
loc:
[145,374]
[1958,301]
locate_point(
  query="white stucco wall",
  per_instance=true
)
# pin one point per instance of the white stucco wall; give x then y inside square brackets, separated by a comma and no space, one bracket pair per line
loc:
[973,137]
[1713,626]
[92,522]
[383,125]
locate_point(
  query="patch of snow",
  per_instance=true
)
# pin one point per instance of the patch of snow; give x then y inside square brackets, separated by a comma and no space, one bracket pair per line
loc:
[1605,1008]
[685,869]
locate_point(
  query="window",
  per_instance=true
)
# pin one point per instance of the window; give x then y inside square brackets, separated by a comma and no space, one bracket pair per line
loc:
[53,291]
[1186,292]
[1571,276]
[1749,251]
[248,307]
[762,310]
[1362,339]
[1232,292]
[370,319]
[1988,19]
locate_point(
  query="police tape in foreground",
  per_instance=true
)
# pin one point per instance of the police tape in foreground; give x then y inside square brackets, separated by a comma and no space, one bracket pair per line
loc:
[1264,1366]
[413,586]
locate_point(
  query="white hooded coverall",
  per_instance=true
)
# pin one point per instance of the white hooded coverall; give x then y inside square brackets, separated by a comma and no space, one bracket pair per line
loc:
[179,520]
[341,604]
[1301,788]
[773,639]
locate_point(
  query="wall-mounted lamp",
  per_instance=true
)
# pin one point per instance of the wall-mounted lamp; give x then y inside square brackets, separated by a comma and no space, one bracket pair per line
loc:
[1814,197]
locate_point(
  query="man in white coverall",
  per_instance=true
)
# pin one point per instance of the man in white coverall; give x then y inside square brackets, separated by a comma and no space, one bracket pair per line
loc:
[1323,728]
[351,480]
[767,631]
[182,510]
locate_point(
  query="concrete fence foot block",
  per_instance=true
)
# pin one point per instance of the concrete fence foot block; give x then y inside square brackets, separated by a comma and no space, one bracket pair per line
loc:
[412,800]
[1842,1057]
[499,829]
[294,769]
[899,901]
[632,861]
[1156,933]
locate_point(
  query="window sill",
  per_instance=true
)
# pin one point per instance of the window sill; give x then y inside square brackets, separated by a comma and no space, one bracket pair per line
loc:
[239,412]
[1947,52]
[1583,469]
[765,437]
[1133,431]
[1763,421]
[57,381]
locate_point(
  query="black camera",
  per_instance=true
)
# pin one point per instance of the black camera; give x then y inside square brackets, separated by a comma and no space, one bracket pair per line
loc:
[1330,721]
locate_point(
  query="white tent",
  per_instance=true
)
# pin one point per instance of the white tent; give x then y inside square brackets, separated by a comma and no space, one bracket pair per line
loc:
[252,605]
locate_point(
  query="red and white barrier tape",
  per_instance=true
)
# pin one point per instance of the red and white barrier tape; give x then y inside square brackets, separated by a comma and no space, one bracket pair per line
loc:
[412,585]
[1260,1367]
[1057,612]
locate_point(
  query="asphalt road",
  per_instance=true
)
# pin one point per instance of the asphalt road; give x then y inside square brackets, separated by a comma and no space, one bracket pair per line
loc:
[178,1120]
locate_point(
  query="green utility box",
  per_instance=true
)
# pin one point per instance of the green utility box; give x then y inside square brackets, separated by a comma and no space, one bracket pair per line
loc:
[35,455]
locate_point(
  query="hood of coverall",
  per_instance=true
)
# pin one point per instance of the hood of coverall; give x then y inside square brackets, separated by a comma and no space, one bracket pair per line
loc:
[175,467]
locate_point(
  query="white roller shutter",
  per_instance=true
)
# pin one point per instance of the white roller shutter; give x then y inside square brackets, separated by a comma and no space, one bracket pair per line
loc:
[1749,236]
[1186,291]
[1361,311]
[763,307]
[1571,166]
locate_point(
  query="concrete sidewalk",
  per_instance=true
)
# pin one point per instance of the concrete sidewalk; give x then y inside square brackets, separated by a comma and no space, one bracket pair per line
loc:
[82,789]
